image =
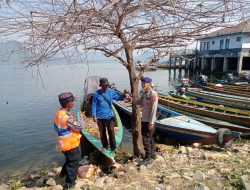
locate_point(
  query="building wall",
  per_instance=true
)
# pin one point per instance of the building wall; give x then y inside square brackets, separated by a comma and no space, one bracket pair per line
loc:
[246,41]
[236,41]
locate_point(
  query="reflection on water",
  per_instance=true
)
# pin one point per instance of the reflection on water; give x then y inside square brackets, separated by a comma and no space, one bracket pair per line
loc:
[28,103]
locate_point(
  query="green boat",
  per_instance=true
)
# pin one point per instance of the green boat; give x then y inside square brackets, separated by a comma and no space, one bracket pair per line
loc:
[91,130]
[178,95]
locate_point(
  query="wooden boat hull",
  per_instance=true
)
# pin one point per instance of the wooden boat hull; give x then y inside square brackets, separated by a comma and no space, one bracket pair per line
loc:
[228,100]
[179,104]
[92,134]
[173,124]
[236,93]
[215,123]
[240,88]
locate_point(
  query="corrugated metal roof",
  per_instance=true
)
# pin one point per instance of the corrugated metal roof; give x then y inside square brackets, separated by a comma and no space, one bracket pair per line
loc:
[243,27]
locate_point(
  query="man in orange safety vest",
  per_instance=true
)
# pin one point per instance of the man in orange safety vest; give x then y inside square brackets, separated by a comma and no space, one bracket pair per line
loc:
[68,131]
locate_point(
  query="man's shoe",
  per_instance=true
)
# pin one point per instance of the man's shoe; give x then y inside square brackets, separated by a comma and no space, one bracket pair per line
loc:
[103,149]
[113,150]
[146,161]
[68,187]
[153,156]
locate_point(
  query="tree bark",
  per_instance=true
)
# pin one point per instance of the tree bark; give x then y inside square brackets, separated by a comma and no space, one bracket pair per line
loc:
[136,110]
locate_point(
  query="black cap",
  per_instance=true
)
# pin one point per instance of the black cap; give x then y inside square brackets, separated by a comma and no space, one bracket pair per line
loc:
[66,97]
[103,82]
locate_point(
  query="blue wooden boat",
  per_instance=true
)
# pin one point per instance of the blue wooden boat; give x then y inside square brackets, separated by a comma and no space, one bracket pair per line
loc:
[184,128]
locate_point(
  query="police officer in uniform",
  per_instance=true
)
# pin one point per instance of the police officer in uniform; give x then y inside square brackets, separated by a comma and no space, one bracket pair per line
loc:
[149,102]
[68,132]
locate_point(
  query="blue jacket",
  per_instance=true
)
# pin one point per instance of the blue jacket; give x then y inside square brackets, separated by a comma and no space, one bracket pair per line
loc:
[100,107]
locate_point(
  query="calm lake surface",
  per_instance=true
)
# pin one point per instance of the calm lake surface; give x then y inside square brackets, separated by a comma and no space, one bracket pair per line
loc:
[28,103]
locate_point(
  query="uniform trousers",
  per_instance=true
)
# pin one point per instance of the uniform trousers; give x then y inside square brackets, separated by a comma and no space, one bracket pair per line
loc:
[148,140]
[70,167]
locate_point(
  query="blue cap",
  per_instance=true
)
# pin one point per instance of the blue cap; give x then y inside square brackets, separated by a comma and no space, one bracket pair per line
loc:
[146,79]
[66,97]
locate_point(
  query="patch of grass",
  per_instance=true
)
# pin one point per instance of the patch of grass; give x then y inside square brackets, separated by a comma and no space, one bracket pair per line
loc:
[234,179]
[15,184]
[241,141]
[42,173]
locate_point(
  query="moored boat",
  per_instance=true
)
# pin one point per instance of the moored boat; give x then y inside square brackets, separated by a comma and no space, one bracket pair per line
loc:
[218,98]
[226,89]
[91,130]
[223,91]
[184,128]
[245,88]
[178,95]
[212,122]
[218,112]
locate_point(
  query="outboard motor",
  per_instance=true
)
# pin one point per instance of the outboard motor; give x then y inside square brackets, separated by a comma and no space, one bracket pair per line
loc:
[185,82]
[230,77]
[202,79]
[245,76]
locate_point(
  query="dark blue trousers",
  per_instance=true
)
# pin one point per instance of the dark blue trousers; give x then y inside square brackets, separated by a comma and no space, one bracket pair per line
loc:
[70,167]
[148,140]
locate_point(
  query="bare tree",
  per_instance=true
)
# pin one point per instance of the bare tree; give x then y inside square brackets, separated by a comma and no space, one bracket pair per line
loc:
[118,28]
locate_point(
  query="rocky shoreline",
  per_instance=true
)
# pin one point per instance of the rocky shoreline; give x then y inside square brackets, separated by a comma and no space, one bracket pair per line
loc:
[184,167]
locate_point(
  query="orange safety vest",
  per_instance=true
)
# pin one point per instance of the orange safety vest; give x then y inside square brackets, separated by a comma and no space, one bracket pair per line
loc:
[67,138]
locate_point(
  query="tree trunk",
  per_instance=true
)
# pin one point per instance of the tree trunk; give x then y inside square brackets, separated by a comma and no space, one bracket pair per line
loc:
[136,115]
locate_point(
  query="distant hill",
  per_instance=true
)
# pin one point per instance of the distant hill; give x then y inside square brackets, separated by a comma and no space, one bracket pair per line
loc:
[11,52]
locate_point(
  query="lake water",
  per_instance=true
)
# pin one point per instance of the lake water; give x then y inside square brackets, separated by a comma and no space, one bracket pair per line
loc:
[28,100]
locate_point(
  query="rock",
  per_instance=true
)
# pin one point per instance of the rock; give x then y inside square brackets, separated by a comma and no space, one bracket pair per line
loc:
[159,160]
[245,147]
[51,174]
[211,172]
[229,153]
[81,183]
[145,184]
[214,156]
[175,179]
[182,150]
[32,176]
[245,182]
[200,186]
[160,187]
[199,176]
[104,181]
[132,168]
[142,168]
[57,170]
[189,150]
[58,187]
[187,177]
[120,174]
[247,171]
[197,145]
[225,171]
[117,166]
[168,187]
[4,186]
[51,182]
[40,182]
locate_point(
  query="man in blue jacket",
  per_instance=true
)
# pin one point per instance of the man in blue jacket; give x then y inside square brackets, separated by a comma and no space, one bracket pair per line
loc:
[102,112]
